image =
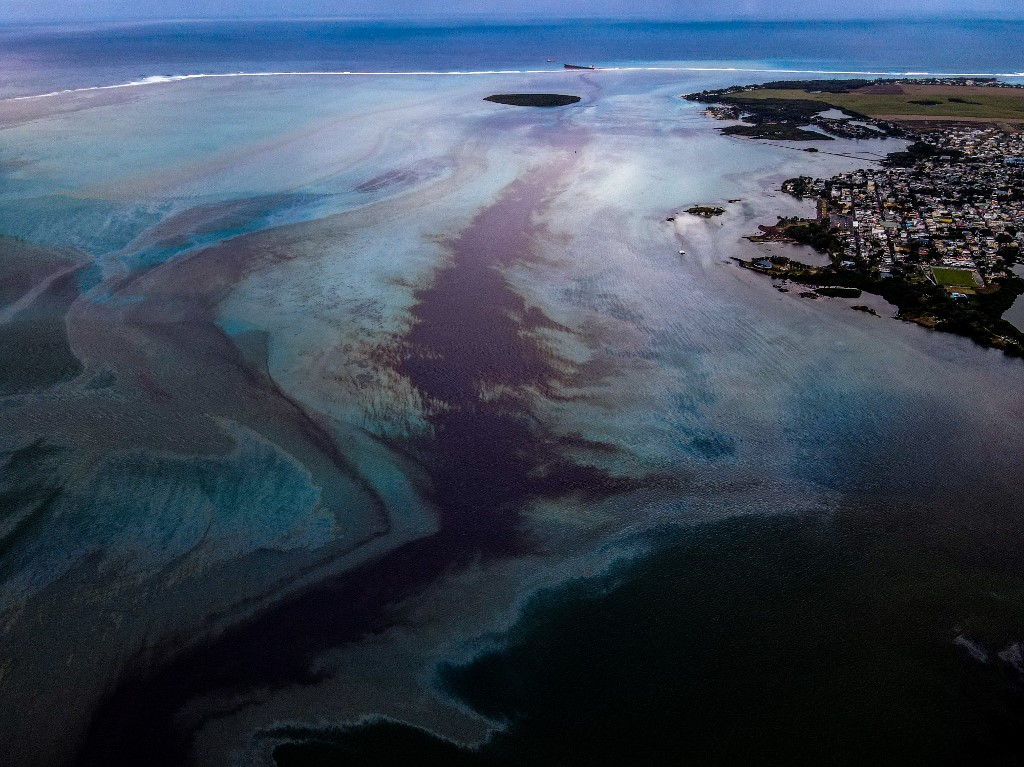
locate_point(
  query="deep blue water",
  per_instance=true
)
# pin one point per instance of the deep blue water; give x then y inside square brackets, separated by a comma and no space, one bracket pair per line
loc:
[41,57]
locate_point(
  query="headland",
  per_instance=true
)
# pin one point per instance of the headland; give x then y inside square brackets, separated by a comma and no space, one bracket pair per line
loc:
[936,229]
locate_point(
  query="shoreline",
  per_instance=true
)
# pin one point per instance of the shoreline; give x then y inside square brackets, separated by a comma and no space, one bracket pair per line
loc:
[895,247]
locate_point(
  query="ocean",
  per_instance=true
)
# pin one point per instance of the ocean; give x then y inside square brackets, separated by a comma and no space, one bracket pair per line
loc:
[348,418]
[38,58]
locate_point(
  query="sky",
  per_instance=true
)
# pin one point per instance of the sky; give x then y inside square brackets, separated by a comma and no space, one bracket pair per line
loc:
[11,10]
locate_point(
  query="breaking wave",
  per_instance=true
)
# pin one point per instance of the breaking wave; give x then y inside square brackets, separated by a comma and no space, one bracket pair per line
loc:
[163,79]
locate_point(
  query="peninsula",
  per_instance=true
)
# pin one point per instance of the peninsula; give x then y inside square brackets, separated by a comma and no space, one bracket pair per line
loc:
[814,110]
[937,229]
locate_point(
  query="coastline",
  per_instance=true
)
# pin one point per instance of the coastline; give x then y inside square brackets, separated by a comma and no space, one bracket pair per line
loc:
[779,108]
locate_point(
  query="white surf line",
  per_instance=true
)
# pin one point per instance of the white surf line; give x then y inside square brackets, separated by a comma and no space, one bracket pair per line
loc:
[163,79]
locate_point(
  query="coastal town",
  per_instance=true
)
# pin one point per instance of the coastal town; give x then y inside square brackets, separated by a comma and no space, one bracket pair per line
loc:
[954,212]
[936,229]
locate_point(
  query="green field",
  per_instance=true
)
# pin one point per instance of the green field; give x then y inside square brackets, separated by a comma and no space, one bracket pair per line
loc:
[954,278]
[974,102]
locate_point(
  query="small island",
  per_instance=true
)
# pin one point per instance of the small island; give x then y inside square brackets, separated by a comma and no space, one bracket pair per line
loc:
[705,211]
[533,99]
[865,309]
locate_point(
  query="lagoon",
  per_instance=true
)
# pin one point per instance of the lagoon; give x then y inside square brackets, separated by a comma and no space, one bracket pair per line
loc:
[376,383]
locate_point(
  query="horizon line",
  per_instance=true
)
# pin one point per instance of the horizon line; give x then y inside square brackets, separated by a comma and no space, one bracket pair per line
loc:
[660,19]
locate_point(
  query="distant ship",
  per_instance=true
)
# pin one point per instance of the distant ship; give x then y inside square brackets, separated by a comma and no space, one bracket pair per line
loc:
[577,66]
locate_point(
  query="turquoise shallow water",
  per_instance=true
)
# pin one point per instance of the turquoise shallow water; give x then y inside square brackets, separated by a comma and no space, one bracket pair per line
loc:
[334,398]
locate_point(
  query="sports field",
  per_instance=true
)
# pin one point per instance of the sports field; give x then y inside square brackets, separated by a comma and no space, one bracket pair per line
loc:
[963,278]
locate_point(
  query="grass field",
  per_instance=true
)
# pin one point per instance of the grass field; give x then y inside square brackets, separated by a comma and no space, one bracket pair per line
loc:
[954,278]
[897,100]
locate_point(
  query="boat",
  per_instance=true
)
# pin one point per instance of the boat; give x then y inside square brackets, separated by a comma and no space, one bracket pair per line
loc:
[577,66]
